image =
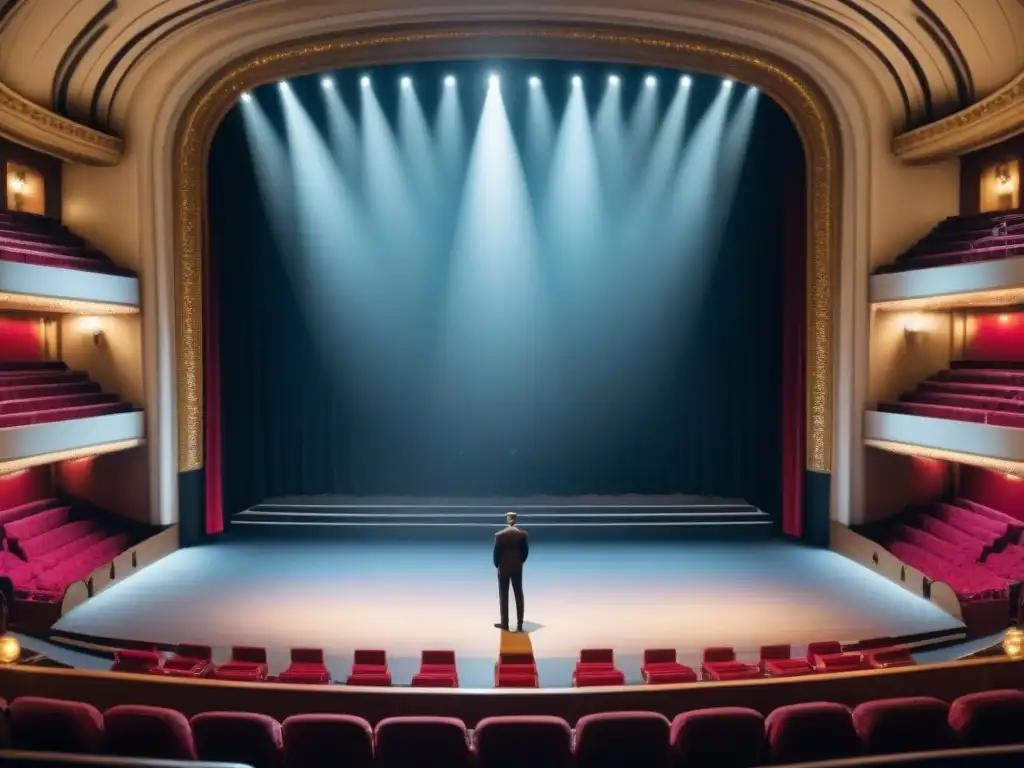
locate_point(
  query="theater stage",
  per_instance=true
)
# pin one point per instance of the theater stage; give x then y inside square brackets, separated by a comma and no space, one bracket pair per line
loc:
[408,596]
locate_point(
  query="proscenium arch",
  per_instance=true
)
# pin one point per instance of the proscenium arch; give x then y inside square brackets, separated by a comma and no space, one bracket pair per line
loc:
[787,85]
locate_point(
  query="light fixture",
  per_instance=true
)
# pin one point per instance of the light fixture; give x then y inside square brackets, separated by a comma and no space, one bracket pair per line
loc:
[450,81]
[493,81]
[1003,174]
[613,80]
[246,97]
[650,81]
[685,81]
[916,323]
[1013,643]
[364,81]
[407,82]
[18,182]
[1004,319]
[283,87]
[327,83]
[577,81]
[10,649]
[535,82]
[727,84]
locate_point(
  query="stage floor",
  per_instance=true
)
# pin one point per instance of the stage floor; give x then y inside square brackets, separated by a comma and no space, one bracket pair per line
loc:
[407,596]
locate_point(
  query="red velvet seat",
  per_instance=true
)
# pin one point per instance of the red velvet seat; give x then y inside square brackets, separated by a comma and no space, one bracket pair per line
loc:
[841,662]
[614,739]
[437,670]
[515,679]
[138,662]
[247,664]
[912,724]
[306,667]
[886,658]
[777,661]
[988,718]
[660,667]
[369,667]
[596,666]
[809,732]
[50,725]
[154,732]
[239,737]
[190,661]
[326,741]
[537,741]
[719,663]
[421,742]
[724,737]
[5,732]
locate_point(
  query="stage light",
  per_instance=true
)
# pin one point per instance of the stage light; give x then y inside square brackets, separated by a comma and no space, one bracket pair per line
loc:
[246,97]
[327,83]
[10,649]
[493,81]
[450,81]
[577,81]
[283,87]
[727,84]
[364,81]
[406,82]
[1013,643]
[650,81]
[535,82]
[685,81]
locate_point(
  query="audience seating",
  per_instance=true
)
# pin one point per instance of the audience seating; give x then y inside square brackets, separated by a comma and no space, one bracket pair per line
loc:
[886,658]
[369,668]
[717,737]
[247,664]
[139,662]
[137,731]
[596,666]
[964,240]
[40,241]
[778,661]
[660,667]
[437,670]
[190,661]
[326,741]
[719,663]
[515,670]
[307,666]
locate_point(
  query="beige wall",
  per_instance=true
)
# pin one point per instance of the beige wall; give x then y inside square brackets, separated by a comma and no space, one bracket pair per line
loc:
[905,348]
[895,482]
[117,482]
[100,204]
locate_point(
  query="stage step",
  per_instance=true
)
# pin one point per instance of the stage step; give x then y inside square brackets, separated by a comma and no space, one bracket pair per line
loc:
[632,517]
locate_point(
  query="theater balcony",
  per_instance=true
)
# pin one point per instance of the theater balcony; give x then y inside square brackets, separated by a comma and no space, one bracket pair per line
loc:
[44,267]
[50,413]
[965,261]
[972,412]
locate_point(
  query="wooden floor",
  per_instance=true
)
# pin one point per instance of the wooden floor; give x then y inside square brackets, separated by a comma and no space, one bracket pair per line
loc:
[405,597]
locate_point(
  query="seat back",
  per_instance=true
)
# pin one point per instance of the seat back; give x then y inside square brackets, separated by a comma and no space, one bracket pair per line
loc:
[537,741]
[800,733]
[622,738]
[659,656]
[911,724]
[154,732]
[516,658]
[776,652]
[325,741]
[438,658]
[989,718]
[198,652]
[50,725]
[719,653]
[823,648]
[248,653]
[379,658]
[129,660]
[723,737]
[307,655]
[239,737]
[404,742]
[597,656]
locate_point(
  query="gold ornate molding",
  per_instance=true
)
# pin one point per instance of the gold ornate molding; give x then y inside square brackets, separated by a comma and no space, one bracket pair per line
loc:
[995,118]
[28,124]
[790,88]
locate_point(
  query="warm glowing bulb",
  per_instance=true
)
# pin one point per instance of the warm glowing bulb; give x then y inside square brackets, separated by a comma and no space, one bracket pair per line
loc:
[493,81]
[327,83]
[246,97]
[613,80]
[650,81]
[406,82]
[10,649]
[17,183]
[1004,319]
[685,81]
[1013,643]
[364,81]
[450,81]
[577,81]
[535,82]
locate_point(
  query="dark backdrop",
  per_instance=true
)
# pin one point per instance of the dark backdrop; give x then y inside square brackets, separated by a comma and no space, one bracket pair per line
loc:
[690,405]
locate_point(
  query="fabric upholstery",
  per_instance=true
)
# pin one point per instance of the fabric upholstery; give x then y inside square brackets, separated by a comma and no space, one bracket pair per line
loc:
[154,732]
[239,737]
[536,741]
[622,738]
[325,741]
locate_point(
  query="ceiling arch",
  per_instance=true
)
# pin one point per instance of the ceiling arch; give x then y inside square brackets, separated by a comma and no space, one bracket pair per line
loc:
[79,57]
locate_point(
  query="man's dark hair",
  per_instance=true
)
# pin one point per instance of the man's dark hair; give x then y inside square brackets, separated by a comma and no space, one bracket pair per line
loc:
[511,517]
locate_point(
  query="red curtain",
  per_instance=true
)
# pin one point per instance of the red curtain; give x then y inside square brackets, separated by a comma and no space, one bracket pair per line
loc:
[794,344]
[211,398]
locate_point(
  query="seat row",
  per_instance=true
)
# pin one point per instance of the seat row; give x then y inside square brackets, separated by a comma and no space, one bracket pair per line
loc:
[44,242]
[595,667]
[724,737]
[962,240]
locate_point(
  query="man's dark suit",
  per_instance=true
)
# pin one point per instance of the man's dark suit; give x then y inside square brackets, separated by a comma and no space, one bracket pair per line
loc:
[511,548]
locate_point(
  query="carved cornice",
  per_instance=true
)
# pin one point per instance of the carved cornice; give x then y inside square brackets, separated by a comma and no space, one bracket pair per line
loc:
[995,118]
[32,126]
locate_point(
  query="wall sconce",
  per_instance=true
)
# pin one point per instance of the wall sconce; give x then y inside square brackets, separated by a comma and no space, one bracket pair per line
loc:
[914,325]
[18,184]
[1003,175]
[92,324]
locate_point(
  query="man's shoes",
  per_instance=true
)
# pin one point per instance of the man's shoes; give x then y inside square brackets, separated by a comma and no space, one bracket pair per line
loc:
[519,628]
[503,627]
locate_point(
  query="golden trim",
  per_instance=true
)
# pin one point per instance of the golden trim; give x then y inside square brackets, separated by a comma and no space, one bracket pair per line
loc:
[30,125]
[789,87]
[997,117]
[1007,467]
[16,465]
[62,306]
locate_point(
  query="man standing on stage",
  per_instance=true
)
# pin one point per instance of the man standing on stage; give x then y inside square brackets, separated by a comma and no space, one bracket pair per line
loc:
[511,548]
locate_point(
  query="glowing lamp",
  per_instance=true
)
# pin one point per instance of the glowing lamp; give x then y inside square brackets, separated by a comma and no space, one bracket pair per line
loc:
[1004,319]
[246,97]
[535,82]
[450,81]
[685,81]
[650,81]
[327,83]
[577,81]
[493,81]
[613,80]
[364,81]
[283,86]
[10,649]
[914,324]
[18,183]
[1013,643]
[406,82]
[727,84]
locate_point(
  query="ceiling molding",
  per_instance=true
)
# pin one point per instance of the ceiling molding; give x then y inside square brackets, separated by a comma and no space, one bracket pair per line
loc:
[33,126]
[995,118]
